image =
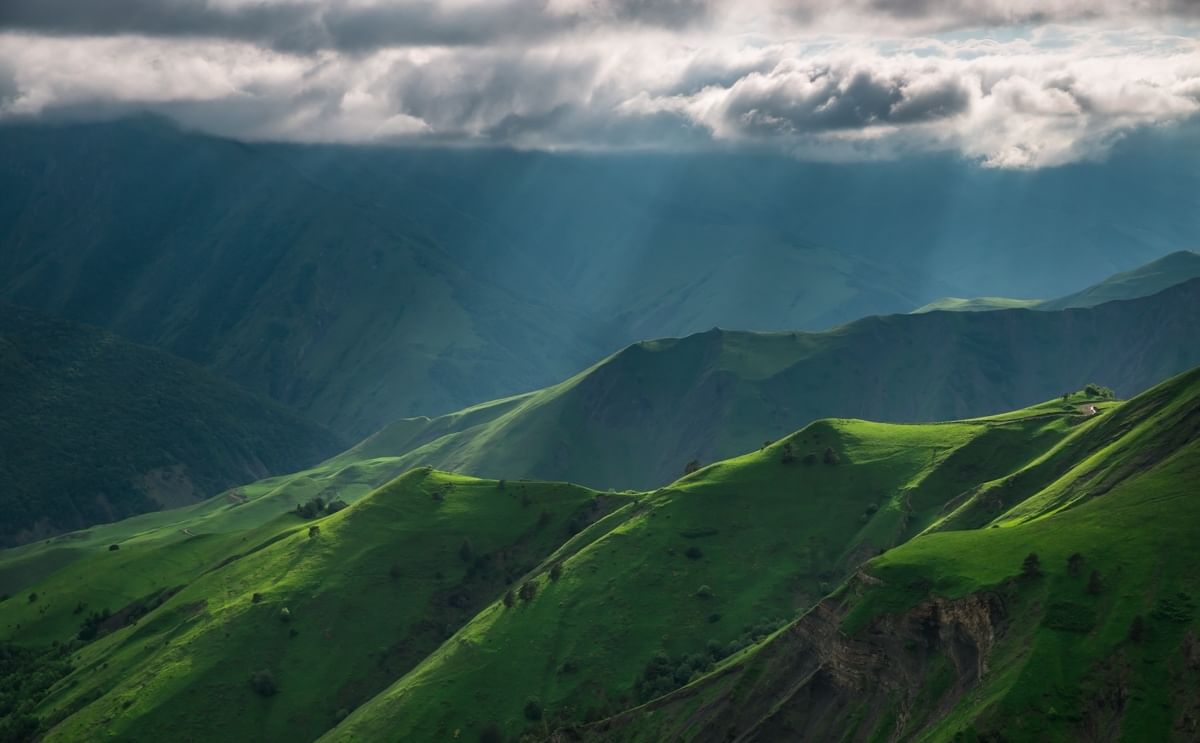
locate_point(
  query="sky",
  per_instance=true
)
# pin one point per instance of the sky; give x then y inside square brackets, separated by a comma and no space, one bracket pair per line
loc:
[1014,84]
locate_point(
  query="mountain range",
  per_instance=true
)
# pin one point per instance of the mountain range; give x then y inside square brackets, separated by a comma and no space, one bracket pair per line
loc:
[360,285]
[850,579]
[94,428]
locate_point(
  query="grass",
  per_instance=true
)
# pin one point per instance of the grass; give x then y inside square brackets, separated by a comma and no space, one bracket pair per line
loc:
[1066,663]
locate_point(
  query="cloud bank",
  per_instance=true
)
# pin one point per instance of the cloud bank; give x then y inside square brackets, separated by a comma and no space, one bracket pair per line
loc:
[1012,84]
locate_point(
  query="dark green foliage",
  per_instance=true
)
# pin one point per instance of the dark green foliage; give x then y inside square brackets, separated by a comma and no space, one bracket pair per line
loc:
[26,676]
[285,615]
[1095,584]
[556,571]
[1137,629]
[830,456]
[693,553]
[533,708]
[1074,564]
[114,547]
[509,598]
[788,456]
[263,683]
[1031,566]
[316,507]
[691,467]
[810,459]
[528,591]
[33,596]
[91,625]
[1096,390]
[704,592]
[314,531]
[99,421]
[1178,608]
[663,674]
[491,733]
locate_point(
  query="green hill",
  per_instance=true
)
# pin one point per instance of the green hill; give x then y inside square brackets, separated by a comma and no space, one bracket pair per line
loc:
[442,606]
[95,429]
[637,418]
[960,635]
[359,285]
[1143,281]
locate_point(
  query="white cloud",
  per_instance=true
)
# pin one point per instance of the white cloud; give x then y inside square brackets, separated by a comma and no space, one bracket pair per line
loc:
[660,74]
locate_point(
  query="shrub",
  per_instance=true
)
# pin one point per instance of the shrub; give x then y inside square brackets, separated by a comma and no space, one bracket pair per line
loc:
[1137,630]
[556,571]
[1074,564]
[694,553]
[314,531]
[533,708]
[691,467]
[114,547]
[810,459]
[257,597]
[704,592]
[33,597]
[263,683]
[1031,567]
[509,598]
[830,456]
[285,615]
[528,591]
[789,456]
[1095,583]
[491,734]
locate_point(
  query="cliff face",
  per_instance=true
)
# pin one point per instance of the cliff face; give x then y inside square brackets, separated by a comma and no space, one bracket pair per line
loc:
[813,682]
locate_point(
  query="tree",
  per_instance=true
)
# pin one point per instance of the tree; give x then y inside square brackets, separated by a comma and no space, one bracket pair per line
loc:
[1032,566]
[556,571]
[313,531]
[509,598]
[114,547]
[1074,564]
[1095,583]
[789,456]
[691,467]
[830,456]
[466,551]
[528,591]
[694,553]
[263,683]
[533,708]
[1137,630]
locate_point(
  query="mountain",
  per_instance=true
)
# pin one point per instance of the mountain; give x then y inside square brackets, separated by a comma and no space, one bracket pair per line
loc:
[1143,281]
[359,285]
[1049,610]
[637,418]
[95,429]
[168,630]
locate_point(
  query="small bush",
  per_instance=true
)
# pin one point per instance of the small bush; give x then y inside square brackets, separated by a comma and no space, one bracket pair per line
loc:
[256,598]
[285,615]
[509,598]
[694,553]
[533,708]
[830,456]
[314,531]
[263,683]
[1074,564]
[704,592]
[1137,630]
[556,571]
[1031,566]
[528,591]
[114,547]
[1095,583]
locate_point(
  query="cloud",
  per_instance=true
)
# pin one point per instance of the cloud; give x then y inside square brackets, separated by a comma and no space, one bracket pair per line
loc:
[598,74]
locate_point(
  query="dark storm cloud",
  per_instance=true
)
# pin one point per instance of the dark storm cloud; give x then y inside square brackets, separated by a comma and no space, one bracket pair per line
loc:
[824,99]
[333,24]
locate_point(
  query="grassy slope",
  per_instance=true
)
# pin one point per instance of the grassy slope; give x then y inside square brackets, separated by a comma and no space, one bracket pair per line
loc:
[1064,666]
[381,586]
[1171,269]
[774,537]
[636,418]
[96,429]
